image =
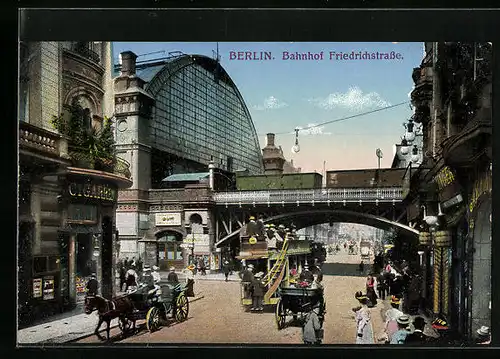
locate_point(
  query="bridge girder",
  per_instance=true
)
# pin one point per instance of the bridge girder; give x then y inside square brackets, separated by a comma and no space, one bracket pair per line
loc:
[312,216]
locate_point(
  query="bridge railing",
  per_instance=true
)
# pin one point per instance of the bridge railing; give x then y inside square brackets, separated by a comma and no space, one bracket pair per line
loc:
[387,194]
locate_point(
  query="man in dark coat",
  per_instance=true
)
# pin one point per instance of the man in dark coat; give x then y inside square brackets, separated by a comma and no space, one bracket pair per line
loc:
[247,279]
[122,272]
[306,275]
[418,338]
[381,286]
[172,276]
[257,293]
[92,285]
[226,269]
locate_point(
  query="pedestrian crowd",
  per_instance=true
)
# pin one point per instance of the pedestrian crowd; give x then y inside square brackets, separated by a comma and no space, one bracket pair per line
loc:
[403,289]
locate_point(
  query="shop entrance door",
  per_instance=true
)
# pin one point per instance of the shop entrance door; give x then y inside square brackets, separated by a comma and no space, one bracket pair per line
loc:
[107,257]
[85,265]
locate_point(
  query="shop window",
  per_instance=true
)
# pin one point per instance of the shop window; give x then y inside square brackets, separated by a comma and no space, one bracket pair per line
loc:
[82,212]
[169,251]
[45,264]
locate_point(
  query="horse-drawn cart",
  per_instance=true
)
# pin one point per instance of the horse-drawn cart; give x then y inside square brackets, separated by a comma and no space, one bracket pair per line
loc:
[294,301]
[169,300]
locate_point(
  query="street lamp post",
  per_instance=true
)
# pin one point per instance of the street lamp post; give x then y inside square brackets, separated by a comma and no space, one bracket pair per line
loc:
[379,154]
[192,247]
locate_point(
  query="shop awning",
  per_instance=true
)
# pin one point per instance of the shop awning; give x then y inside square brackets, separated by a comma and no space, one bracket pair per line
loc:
[186,177]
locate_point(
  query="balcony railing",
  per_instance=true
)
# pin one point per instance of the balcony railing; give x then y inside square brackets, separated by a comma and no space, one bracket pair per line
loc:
[388,194]
[85,51]
[82,159]
[40,140]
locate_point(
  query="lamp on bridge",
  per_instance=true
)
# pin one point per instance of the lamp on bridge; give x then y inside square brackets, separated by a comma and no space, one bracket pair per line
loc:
[410,133]
[405,149]
[415,155]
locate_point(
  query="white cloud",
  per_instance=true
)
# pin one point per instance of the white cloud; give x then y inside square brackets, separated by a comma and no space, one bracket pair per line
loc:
[305,131]
[353,99]
[270,103]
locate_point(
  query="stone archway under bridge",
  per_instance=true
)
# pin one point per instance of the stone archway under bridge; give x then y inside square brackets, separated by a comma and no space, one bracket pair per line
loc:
[302,219]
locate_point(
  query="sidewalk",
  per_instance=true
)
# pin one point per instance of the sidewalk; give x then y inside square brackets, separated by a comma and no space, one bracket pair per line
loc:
[62,330]
[70,328]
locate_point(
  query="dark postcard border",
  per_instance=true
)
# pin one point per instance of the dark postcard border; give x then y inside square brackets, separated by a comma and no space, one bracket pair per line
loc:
[258,25]
[272,25]
[266,4]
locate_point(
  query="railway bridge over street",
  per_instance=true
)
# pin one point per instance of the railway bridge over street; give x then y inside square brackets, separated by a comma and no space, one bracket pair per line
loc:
[378,207]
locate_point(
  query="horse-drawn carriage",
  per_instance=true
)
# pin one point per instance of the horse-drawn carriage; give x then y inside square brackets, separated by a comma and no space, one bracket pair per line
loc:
[169,300]
[294,301]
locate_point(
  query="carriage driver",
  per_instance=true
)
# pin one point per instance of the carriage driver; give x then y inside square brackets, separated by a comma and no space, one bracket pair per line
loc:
[149,281]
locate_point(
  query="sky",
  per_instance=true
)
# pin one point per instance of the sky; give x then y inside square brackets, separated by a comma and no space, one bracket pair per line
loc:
[282,94]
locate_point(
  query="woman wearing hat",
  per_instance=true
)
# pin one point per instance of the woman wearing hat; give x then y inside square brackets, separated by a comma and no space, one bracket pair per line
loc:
[391,316]
[399,337]
[364,333]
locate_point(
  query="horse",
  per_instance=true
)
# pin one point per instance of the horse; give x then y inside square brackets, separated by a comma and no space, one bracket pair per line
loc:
[108,310]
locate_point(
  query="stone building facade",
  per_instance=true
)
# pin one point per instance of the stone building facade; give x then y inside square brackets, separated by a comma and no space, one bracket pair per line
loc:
[67,209]
[452,99]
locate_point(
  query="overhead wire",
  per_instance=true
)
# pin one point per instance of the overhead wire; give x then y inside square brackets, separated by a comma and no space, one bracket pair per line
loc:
[345,118]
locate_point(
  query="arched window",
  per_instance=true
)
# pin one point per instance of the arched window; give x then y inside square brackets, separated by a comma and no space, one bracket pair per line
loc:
[196,224]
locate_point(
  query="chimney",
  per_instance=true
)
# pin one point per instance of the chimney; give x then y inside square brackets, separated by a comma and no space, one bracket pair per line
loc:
[270,139]
[128,63]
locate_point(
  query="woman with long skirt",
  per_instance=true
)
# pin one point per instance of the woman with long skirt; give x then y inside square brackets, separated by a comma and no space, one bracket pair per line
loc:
[364,334]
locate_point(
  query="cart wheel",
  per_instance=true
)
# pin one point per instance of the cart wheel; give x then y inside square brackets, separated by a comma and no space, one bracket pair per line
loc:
[124,323]
[280,315]
[153,319]
[181,308]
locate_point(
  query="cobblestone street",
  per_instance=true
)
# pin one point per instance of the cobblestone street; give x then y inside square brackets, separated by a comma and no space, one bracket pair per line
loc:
[218,317]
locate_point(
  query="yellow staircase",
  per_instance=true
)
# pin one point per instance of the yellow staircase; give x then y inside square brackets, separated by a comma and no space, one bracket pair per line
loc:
[275,275]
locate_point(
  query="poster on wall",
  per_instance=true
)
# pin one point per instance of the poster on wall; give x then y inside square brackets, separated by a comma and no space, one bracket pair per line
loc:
[37,288]
[48,288]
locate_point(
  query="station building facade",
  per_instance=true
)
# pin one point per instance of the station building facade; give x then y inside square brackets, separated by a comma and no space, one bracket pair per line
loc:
[67,198]
[174,118]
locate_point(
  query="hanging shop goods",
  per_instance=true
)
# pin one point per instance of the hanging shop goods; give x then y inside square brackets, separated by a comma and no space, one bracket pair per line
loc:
[424,238]
[481,187]
[442,242]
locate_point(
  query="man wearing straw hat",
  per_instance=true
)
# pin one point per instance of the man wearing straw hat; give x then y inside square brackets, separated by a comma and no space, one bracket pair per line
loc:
[257,293]
[247,280]
[484,336]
